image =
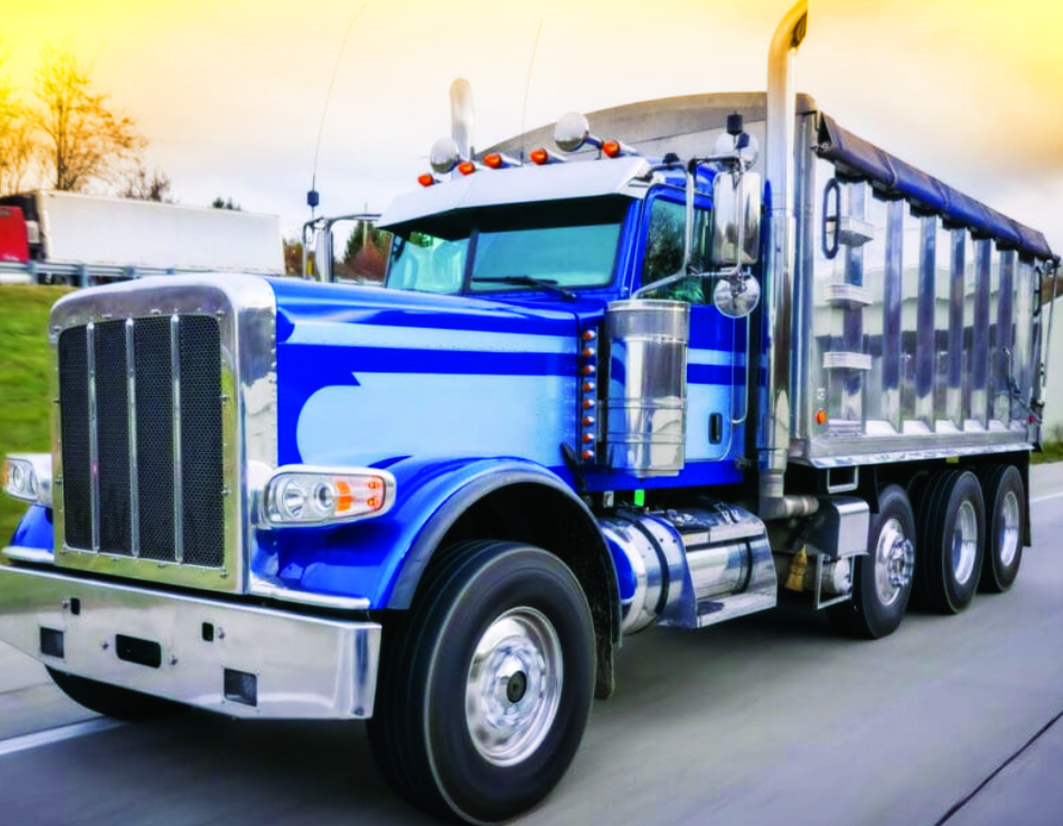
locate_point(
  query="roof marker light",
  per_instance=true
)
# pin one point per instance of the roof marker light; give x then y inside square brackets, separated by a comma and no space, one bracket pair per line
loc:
[617,149]
[427,179]
[542,156]
[466,167]
[498,160]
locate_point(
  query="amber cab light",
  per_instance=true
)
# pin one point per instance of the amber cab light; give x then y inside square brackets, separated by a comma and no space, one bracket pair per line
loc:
[493,161]
[427,179]
[466,167]
[539,156]
[612,149]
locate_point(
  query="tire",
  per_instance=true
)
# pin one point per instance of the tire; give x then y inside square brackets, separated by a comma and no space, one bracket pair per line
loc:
[111,700]
[882,578]
[951,542]
[440,737]
[1005,510]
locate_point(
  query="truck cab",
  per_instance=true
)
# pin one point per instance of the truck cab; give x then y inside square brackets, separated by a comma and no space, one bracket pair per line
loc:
[600,390]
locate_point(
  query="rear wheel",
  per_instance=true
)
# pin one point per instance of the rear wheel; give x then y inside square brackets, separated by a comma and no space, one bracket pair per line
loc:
[111,700]
[1005,508]
[486,684]
[882,578]
[951,542]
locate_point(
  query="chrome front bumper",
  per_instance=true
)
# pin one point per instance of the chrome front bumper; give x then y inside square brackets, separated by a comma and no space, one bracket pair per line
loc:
[235,659]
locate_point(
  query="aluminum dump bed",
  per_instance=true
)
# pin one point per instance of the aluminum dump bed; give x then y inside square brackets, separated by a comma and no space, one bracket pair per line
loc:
[916,315]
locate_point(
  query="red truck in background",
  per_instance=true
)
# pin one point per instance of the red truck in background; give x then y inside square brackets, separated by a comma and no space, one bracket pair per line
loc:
[14,241]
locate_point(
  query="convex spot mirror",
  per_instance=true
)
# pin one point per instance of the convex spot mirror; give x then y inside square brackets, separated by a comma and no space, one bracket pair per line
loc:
[736,219]
[736,297]
[571,132]
[445,155]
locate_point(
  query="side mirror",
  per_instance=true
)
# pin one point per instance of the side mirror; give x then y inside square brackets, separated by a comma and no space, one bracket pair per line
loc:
[736,219]
[323,254]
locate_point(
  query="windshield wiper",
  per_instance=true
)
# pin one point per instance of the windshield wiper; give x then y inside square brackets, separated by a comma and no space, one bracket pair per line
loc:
[527,281]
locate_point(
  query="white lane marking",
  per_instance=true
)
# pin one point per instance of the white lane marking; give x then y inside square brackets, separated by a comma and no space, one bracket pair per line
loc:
[56,735]
[1046,498]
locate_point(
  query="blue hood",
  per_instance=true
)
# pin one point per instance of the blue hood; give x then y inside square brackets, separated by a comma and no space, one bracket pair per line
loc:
[367,376]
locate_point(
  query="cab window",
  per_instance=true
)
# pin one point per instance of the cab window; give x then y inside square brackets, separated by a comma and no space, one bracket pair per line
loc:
[663,254]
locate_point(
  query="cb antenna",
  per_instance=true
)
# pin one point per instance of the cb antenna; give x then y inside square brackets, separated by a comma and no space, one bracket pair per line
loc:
[312,198]
[527,86]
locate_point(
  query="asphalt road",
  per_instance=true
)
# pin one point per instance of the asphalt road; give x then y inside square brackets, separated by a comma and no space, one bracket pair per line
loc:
[767,720]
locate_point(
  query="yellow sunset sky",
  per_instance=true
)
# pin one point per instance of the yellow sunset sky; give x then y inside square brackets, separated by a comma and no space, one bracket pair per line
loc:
[230,92]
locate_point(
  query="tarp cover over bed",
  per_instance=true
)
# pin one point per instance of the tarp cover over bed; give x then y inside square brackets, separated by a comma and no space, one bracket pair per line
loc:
[892,177]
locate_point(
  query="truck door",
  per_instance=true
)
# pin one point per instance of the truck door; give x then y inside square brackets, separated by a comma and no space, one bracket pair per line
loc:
[715,367]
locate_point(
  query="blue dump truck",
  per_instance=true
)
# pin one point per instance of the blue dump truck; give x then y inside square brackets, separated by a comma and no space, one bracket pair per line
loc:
[609,385]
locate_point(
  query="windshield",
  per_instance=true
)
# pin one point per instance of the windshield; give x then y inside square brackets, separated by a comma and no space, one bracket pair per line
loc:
[565,244]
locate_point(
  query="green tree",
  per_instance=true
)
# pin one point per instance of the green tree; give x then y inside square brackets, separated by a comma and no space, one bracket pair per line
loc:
[84,139]
[365,256]
[223,203]
[293,257]
[363,234]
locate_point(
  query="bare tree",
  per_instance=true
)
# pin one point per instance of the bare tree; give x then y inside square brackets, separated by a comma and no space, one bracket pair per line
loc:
[84,138]
[18,148]
[140,185]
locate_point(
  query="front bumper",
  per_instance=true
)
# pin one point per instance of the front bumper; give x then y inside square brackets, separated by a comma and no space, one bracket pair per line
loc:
[238,660]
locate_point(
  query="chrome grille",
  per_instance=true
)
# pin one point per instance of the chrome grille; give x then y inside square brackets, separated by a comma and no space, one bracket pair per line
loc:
[142,441]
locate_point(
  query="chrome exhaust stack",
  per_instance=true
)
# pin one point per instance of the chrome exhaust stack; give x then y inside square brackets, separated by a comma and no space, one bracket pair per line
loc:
[773,438]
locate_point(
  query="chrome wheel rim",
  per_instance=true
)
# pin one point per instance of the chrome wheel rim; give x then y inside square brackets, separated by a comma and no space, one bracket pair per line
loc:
[513,689]
[964,542]
[894,559]
[1008,532]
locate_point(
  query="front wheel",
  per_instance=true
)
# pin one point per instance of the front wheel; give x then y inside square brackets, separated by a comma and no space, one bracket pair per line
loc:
[486,684]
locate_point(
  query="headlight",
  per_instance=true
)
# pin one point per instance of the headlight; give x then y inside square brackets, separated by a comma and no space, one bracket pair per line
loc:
[28,476]
[313,496]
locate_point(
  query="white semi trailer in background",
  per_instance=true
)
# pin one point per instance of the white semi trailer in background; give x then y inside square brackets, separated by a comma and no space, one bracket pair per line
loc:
[80,239]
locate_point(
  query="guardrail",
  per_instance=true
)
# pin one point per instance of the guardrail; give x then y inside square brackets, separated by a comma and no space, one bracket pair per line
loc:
[82,275]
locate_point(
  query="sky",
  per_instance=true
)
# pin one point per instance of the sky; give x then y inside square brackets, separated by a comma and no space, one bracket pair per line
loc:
[231,93]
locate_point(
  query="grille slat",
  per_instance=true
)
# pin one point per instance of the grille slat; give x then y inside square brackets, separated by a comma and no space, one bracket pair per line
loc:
[151,346]
[201,442]
[74,405]
[158,438]
[112,439]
